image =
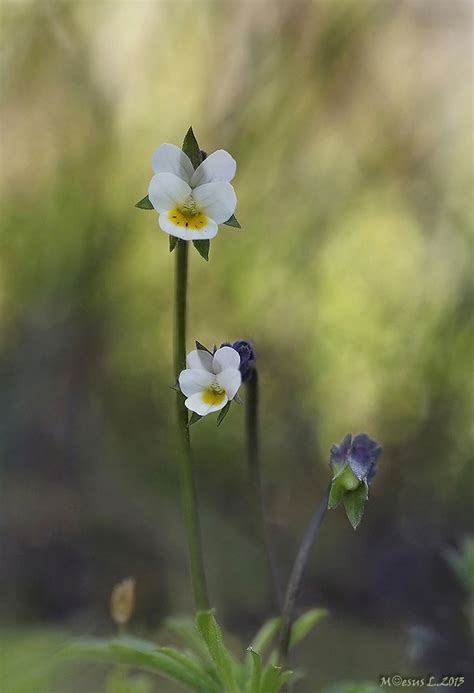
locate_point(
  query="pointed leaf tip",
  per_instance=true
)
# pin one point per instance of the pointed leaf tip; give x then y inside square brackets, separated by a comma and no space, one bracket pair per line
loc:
[232,221]
[203,248]
[191,148]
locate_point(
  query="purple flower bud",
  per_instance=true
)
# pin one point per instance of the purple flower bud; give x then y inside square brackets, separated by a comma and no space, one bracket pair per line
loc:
[247,358]
[360,453]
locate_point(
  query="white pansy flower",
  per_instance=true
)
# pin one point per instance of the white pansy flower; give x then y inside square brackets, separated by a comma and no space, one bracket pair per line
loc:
[191,203]
[210,380]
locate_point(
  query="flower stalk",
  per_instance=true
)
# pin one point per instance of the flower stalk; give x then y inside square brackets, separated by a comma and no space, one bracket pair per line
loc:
[188,488]
[255,478]
[296,578]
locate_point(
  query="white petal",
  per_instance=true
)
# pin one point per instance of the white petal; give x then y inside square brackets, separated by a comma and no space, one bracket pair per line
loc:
[169,158]
[195,403]
[226,357]
[217,200]
[207,231]
[230,379]
[167,191]
[218,167]
[194,380]
[200,359]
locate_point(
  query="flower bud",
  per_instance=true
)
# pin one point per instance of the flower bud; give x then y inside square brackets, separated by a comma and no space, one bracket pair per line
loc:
[354,464]
[122,601]
[247,358]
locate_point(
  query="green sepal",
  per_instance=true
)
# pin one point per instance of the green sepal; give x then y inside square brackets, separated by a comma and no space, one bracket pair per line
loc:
[344,481]
[194,419]
[201,347]
[354,502]
[211,632]
[173,243]
[145,203]
[232,221]
[223,413]
[191,148]
[203,248]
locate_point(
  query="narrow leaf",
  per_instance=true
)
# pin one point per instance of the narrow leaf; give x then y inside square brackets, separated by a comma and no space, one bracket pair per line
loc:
[232,221]
[271,680]
[354,502]
[143,655]
[145,203]
[304,623]
[185,628]
[223,413]
[203,248]
[253,685]
[191,148]
[173,243]
[265,635]
[210,631]
[194,419]
[201,347]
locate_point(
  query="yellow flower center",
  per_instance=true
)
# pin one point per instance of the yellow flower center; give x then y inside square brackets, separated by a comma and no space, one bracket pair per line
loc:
[214,394]
[188,215]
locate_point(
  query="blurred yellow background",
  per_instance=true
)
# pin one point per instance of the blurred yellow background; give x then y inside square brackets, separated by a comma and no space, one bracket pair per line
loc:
[351,124]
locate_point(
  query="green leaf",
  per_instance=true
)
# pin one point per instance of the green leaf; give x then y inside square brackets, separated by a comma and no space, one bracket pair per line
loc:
[173,243]
[232,221]
[143,655]
[304,623]
[273,679]
[191,148]
[265,635]
[210,631]
[203,248]
[354,502]
[185,628]
[223,413]
[145,203]
[255,675]
[201,347]
[194,419]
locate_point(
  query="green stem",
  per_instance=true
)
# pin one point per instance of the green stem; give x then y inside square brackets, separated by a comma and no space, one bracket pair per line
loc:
[255,477]
[296,578]
[188,488]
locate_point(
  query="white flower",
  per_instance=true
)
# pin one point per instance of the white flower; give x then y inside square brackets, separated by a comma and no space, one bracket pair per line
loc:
[210,381]
[191,203]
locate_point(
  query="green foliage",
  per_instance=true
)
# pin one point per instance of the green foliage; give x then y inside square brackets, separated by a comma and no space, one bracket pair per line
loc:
[305,623]
[173,243]
[206,667]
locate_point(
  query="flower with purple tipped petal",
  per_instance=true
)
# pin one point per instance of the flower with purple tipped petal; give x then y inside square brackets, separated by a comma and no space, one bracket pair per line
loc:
[354,465]
[359,453]
[247,358]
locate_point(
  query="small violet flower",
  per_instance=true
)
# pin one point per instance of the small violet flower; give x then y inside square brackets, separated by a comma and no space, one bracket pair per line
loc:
[354,465]
[191,203]
[247,358]
[210,380]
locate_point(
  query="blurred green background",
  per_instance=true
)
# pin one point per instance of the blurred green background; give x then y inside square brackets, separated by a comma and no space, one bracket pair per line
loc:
[351,123]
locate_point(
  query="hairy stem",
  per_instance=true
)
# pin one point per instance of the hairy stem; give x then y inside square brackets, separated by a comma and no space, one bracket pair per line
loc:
[188,488]
[255,477]
[296,578]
